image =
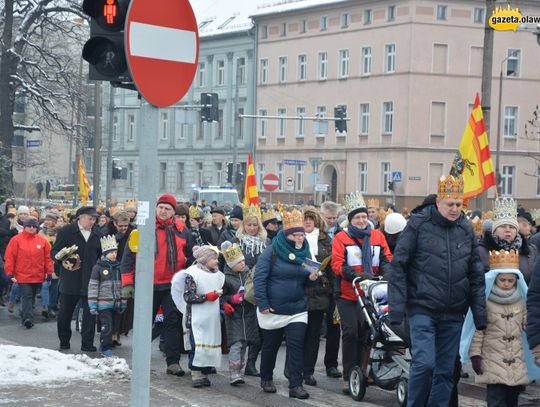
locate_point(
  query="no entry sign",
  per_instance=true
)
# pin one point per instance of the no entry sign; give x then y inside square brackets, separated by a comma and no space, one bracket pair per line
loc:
[270,182]
[162,49]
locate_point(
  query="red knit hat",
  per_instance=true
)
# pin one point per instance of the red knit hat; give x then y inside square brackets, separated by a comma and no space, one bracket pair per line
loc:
[167,199]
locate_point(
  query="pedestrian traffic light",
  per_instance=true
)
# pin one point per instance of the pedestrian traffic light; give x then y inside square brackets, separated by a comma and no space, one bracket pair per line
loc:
[118,172]
[229,172]
[340,113]
[104,51]
[210,107]
[391,185]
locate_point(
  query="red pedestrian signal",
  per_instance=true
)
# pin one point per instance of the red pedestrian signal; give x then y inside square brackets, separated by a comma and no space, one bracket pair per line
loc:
[109,11]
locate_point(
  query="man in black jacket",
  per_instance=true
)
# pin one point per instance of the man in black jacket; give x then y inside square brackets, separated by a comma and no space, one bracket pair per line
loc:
[75,272]
[436,276]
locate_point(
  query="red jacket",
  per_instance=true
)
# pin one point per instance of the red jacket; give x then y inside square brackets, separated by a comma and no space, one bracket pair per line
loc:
[162,272]
[28,258]
[345,272]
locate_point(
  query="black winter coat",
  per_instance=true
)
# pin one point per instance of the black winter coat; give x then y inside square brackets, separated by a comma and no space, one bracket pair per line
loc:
[76,282]
[319,295]
[533,307]
[437,270]
[527,254]
[6,233]
[242,323]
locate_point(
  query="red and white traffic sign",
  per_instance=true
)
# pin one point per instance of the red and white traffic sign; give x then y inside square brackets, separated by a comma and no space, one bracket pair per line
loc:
[162,49]
[270,182]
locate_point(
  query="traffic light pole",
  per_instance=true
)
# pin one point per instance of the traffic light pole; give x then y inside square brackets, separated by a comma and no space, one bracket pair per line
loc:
[144,276]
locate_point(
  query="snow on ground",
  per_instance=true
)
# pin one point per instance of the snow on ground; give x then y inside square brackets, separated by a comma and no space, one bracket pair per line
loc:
[36,366]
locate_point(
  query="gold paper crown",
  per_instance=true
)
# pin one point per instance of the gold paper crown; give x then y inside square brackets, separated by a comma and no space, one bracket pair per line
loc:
[292,219]
[353,201]
[108,243]
[100,208]
[383,214]
[232,253]
[130,204]
[504,208]
[195,212]
[478,226]
[269,215]
[373,203]
[251,211]
[450,187]
[114,210]
[504,259]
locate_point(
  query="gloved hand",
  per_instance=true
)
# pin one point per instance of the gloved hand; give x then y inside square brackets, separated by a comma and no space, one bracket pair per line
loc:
[128,291]
[49,278]
[228,308]
[536,354]
[212,296]
[237,298]
[93,310]
[477,364]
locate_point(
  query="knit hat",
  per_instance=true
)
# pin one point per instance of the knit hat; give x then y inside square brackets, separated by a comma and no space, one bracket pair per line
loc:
[232,253]
[51,216]
[236,213]
[504,213]
[394,223]
[31,222]
[167,199]
[218,210]
[203,254]
[23,209]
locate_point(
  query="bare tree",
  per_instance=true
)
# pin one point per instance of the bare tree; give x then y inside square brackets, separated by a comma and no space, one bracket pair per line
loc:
[532,132]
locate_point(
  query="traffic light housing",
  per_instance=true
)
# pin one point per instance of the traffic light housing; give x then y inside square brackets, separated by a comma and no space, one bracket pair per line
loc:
[118,172]
[391,185]
[340,113]
[210,107]
[229,172]
[104,51]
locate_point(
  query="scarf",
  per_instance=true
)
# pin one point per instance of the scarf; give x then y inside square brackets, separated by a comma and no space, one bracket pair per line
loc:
[505,297]
[168,226]
[313,240]
[252,245]
[287,252]
[506,245]
[196,233]
[364,234]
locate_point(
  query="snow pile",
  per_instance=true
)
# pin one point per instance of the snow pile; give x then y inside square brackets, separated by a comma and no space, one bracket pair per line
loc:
[28,365]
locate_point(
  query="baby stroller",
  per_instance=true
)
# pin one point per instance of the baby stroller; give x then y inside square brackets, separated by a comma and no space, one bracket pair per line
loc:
[388,366]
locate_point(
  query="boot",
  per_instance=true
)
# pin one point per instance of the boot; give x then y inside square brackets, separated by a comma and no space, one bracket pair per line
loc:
[197,379]
[253,353]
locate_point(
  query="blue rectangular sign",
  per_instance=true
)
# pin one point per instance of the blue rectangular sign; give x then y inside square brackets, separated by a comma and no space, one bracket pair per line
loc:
[33,143]
[294,162]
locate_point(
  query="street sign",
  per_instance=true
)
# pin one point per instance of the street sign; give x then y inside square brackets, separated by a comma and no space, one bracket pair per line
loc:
[33,143]
[270,182]
[314,179]
[397,176]
[321,188]
[289,183]
[294,162]
[162,49]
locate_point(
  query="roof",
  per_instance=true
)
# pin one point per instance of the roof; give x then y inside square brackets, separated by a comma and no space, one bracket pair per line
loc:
[284,6]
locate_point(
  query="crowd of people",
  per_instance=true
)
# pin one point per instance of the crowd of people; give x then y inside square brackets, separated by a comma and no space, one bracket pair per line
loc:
[242,280]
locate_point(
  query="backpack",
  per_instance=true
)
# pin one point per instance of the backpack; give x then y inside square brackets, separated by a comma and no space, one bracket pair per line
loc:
[249,287]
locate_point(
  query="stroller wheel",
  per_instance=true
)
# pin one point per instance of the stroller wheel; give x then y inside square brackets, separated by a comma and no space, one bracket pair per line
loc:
[401,392]
[357,383]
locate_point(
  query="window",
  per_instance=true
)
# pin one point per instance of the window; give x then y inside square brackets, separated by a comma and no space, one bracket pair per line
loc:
[388,117]
[364,119]
[343,63]
[323,23]
[279,172]
[264,32]
[391,13]
[300,123]
[180,176]
[162,176]
[299,178]
[303,26]
[282,123]
[115,128]
[390,58]
[438,119]
[440,58]
[164,125]
[201,75]
[386,176]
[263,123]
[261,172]
[264,71]
[20,103]
[218,170]
[131,127]
[338,132]
[241,70]
[220,77]
[199,173]
[227,21]
[18,140]
[320,128]
[283,32]
[442,12]
[507,180]
[512,63]
[302,67]
[366,60]
[367,16]
[479,15]
[282,69]
[130,175]
[510,121]
[344,20]
[362,177]
[323,65]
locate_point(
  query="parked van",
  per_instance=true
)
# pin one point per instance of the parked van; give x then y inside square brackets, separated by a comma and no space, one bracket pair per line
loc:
[219,194]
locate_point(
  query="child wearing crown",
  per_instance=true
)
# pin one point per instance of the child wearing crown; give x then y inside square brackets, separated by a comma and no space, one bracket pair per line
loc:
[500,354]
[105,292]
[240,315]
